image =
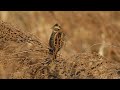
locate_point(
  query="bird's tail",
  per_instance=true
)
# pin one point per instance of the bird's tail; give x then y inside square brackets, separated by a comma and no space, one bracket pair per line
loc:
[51,51]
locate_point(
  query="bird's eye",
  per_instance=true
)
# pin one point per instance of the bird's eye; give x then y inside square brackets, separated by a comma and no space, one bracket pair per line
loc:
[56,27]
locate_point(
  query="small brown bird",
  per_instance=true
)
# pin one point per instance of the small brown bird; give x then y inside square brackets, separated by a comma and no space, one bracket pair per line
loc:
[56,40]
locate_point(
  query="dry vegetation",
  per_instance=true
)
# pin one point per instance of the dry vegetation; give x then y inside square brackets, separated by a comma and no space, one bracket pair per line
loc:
[91,51]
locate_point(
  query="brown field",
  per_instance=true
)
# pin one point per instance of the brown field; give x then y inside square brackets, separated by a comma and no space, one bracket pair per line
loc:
[91,49]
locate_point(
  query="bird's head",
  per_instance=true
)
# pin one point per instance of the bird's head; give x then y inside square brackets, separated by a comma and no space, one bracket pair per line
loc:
[56,27]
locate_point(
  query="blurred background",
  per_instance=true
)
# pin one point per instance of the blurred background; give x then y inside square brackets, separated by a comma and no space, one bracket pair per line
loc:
[86,31]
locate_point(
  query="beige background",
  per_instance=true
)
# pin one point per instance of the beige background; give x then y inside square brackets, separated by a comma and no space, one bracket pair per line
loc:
[82,28]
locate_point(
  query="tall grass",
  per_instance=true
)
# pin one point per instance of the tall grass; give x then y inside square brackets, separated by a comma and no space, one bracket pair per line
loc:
[24,49]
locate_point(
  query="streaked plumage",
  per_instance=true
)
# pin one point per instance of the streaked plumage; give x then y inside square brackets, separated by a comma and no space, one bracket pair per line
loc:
[56,40]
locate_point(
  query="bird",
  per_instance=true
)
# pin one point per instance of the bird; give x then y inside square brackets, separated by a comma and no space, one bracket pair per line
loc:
[56,40]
